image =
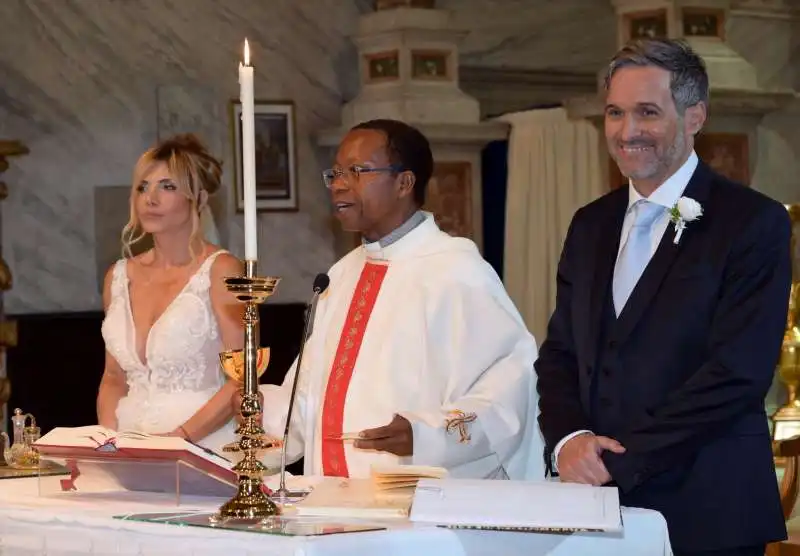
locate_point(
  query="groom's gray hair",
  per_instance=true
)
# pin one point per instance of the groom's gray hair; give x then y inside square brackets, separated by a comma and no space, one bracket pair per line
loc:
[688,75]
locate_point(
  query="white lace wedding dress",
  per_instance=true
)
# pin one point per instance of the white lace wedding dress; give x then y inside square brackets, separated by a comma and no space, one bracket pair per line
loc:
[181,370]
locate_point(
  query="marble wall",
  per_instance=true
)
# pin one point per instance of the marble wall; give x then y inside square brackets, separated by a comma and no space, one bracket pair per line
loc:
[89,84]
[573,35]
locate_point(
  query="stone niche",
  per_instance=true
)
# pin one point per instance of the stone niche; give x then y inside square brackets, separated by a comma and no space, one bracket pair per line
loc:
[409,71]
[738,101]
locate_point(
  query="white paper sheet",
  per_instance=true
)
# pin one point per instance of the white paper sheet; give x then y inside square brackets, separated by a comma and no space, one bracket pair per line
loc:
[517,505]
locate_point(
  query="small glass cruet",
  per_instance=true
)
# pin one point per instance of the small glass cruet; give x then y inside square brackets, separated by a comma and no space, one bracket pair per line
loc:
[21,453]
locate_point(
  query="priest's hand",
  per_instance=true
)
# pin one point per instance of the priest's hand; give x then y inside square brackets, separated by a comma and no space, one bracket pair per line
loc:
[396,438]
[579,459]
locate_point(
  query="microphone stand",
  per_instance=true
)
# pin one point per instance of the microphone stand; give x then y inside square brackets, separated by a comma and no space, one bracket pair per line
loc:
[282,495]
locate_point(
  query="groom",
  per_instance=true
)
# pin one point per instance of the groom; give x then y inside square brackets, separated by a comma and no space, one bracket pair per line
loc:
[663,345]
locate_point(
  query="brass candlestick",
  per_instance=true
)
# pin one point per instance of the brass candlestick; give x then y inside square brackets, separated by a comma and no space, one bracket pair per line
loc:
[250,501]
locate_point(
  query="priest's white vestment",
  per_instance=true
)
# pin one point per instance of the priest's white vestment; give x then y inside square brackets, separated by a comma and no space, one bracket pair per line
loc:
[441,336]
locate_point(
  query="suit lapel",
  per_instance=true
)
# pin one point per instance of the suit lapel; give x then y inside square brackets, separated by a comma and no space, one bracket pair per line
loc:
[662,260]
[605,257]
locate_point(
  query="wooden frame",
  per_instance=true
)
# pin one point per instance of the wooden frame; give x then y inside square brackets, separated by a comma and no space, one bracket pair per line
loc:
[276,155]
[646,24]
[431,65]
[703,22]
[382,66]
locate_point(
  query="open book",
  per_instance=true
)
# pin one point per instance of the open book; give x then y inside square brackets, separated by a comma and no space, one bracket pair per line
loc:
[403,479]
[387,493]
[336,497]
[142,461]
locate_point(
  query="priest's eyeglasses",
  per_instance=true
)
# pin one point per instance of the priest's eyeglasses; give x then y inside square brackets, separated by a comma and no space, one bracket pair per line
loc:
[352,173]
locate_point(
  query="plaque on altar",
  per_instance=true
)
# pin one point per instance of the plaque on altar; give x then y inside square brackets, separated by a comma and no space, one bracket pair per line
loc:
[521,506]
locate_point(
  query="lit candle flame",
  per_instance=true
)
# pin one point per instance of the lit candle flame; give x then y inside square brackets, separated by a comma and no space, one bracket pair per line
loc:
[246,53]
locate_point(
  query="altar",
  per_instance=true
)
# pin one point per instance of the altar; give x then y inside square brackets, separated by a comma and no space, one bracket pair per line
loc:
[71,524]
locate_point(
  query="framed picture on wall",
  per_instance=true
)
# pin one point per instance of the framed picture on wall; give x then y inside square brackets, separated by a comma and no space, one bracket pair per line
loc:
[649,24]
[726,153]
[449,197]
[382,66]
[700,22]
[276,155]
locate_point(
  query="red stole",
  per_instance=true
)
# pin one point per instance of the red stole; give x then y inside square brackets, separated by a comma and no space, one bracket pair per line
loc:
[369,284]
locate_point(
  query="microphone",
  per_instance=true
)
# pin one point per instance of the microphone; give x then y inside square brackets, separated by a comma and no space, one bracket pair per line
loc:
[321,283]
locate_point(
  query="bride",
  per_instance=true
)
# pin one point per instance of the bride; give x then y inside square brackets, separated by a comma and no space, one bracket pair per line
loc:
[168,314]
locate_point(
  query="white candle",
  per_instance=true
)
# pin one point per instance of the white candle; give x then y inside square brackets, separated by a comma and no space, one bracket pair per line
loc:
[248,156]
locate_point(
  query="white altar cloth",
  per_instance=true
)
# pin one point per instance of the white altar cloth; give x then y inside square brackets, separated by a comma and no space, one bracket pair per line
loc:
[77,524]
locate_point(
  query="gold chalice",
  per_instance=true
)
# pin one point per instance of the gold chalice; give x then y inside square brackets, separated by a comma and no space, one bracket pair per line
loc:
[232,362]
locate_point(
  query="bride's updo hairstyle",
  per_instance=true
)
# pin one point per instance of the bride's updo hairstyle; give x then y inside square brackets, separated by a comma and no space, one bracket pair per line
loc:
[191,167]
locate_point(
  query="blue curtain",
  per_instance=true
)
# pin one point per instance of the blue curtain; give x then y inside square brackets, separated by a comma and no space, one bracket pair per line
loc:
[494,173]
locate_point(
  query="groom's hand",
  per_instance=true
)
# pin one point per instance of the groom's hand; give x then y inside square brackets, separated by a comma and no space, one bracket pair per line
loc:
[579,459]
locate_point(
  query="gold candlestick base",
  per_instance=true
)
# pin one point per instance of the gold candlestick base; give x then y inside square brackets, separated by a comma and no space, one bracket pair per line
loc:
[250,501]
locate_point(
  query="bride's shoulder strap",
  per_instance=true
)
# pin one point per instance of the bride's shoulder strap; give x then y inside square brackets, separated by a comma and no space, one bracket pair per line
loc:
[202,279]
[119,277]
[120,267]
[205,268]
[120,271]
[212,257]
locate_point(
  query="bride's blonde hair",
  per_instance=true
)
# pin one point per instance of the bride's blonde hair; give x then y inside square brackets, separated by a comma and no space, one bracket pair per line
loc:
[192,168]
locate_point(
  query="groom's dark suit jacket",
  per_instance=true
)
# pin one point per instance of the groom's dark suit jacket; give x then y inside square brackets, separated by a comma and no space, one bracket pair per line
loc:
[681,376]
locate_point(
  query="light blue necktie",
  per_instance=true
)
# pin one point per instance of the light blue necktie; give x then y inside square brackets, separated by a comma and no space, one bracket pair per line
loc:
[636,253]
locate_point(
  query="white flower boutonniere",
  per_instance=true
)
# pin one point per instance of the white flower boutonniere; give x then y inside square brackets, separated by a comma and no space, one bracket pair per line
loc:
[685,210]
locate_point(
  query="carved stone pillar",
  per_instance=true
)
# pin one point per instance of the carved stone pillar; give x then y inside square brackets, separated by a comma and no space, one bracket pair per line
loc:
[408,56]
[8,329]
[738,101]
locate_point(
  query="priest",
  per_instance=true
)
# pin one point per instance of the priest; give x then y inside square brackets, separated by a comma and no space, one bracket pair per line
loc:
[417,355]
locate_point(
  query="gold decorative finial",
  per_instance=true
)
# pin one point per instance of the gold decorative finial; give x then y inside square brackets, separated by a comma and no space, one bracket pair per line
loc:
[6,281]
[787,419]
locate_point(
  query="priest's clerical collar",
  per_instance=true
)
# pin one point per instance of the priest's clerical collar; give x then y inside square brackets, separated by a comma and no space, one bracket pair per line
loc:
[398,233]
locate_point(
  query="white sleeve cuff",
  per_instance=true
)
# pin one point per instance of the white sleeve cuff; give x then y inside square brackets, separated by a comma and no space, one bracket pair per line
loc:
[560,445]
